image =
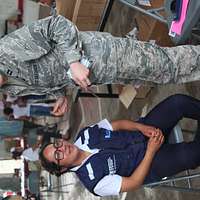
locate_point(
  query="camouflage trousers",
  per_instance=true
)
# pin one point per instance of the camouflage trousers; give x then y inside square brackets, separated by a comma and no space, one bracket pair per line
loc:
[125,60]
[160,65]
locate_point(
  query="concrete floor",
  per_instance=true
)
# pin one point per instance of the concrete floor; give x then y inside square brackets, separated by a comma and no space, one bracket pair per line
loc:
[83,114]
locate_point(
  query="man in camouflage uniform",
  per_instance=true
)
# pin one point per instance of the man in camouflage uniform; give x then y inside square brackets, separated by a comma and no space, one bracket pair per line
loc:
[36,58]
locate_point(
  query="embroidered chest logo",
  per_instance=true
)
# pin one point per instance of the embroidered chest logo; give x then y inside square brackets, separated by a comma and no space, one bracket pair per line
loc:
[107,134]
[112,165]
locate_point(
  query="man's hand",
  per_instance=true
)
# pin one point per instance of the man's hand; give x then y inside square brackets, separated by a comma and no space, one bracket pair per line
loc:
[80,74]
[154,143]
[149,130]
[60,106]
[139,174]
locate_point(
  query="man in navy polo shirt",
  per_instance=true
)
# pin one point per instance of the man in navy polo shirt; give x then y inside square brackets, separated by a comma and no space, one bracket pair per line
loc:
[110,158]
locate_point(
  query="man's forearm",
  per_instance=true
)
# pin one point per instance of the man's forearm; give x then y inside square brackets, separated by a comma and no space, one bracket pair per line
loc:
[58,93]
[142,170]
[138,176]
[126,125]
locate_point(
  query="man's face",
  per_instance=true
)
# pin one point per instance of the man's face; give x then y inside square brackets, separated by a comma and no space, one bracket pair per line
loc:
[69,153]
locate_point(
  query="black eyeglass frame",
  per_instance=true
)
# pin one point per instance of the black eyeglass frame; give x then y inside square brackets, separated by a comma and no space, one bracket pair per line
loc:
[58,143]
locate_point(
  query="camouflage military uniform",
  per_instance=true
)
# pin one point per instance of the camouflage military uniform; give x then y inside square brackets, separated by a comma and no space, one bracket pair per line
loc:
[37,57]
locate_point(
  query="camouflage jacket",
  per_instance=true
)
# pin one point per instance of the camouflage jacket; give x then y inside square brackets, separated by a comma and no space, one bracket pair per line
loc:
[36,57]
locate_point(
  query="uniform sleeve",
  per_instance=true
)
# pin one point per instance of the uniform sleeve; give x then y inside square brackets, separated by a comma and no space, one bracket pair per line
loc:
[57,93]
[108,185]
[38,38]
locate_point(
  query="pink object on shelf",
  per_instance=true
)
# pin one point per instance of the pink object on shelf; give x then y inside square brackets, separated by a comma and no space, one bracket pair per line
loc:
[176,26]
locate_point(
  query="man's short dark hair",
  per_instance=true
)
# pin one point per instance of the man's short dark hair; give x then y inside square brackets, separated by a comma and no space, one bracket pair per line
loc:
[8,111]
[51,167]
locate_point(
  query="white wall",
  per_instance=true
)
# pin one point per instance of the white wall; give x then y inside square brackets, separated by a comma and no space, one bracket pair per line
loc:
[31,11]
[8,8]
[8,166]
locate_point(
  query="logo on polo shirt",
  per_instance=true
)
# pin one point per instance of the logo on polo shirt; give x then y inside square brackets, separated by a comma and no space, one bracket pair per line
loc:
[107,134]
[112,165]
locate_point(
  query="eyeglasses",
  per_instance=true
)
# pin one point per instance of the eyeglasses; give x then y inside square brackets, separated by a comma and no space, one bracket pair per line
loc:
[58,154]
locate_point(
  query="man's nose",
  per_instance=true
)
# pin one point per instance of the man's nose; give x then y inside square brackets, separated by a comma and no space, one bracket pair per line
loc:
[62,148]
